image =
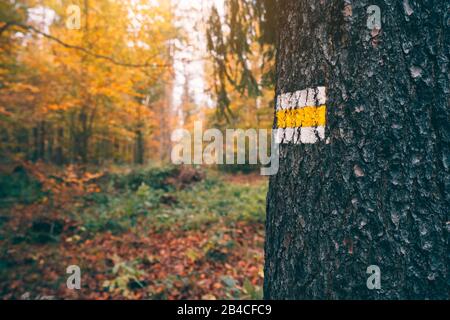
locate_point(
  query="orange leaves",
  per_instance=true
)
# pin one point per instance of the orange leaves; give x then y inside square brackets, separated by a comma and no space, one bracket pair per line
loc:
[63,185]
[143,265]
[21,87]
[3,112]
[66,105]
[220,260]
[102,72]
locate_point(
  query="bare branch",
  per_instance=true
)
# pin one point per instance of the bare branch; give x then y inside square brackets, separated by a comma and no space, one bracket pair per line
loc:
[82,49]
[3,28]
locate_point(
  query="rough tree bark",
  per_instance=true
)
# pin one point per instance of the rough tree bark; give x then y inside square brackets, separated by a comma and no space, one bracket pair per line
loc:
[376,191]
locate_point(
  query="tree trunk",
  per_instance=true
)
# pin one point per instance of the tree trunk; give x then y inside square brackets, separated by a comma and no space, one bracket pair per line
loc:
[139,147]
[82,138]
[39,137]
[35,133]
[50,143]
[42,137]
[59,151]
[4,143]
[374,190]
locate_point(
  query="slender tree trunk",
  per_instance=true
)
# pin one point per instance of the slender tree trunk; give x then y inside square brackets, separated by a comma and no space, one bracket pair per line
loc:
[4,143]
[374,191]
[22,141]
[165,114]
[50,143]
[84,136]
[39,136]
[139,147]
[35,134]
[42,139]
[59,150]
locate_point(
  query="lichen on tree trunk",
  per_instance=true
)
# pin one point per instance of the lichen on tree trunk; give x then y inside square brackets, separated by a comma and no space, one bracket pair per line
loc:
[376,191]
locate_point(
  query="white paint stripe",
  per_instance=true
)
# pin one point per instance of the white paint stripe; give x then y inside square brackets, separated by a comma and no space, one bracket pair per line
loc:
[279,134]
[311,100]
[312,134]
[289,135]
[305,135]
[302,98]
[321,96]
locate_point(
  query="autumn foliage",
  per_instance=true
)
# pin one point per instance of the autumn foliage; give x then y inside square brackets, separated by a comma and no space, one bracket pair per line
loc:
[86,113]
[88,95]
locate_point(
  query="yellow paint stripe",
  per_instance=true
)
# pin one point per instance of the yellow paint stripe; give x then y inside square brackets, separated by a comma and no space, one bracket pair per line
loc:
[304,117]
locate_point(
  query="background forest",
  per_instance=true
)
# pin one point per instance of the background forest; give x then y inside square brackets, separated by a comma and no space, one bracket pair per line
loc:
[90,93]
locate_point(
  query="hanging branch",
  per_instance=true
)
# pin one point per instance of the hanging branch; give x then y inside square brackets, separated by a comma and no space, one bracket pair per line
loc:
[82,49]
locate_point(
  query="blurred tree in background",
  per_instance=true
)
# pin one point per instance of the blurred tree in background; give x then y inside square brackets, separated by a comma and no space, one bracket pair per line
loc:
[87,95]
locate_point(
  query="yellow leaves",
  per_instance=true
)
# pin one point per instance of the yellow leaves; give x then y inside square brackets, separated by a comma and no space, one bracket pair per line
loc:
[54,107]
[75,238]
[64,106]
[193,254]
[20,87]
[74,72]
[104,91]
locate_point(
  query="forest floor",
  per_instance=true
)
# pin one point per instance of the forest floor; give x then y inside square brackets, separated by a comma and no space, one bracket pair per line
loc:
[149,233]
